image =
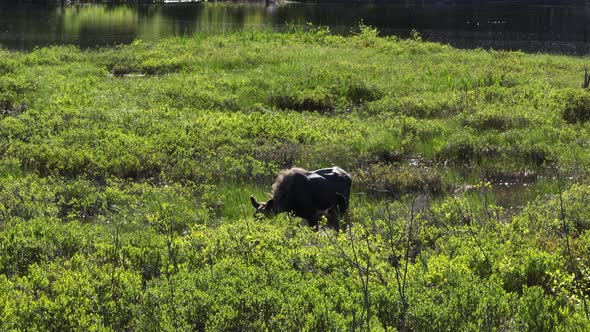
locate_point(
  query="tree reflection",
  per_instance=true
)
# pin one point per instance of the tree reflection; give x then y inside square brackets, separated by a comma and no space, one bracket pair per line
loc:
[496,24]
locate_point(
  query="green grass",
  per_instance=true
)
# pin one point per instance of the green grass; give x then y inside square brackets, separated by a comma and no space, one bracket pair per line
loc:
[283,97]
[125,176]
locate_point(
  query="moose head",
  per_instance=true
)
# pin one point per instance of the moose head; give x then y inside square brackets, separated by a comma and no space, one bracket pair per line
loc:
[265,208]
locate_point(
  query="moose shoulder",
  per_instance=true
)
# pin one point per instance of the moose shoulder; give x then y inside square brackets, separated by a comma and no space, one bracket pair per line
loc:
[309,195]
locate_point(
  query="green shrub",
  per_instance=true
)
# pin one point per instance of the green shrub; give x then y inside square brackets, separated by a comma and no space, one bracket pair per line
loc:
[359,92]
[318,100]
[495,121]
[530,268]
[397,180]
[12,91]
[459,151]
[540,312]
[40,241]
[576,105]
[8,64]
[27,198]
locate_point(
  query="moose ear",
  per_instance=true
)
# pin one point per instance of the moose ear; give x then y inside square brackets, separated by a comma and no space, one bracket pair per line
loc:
[254,202]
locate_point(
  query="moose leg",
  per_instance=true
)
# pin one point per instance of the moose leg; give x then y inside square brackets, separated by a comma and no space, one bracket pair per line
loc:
[341,203]
[333,219]
[314,220]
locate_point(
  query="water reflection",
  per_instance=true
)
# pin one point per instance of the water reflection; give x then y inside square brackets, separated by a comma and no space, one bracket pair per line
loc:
[555,28]
[91,25]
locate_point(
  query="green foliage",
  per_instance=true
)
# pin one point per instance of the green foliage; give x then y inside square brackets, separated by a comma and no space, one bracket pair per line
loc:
[495,120]
[367,36]
[12,90]
[8,64]
[397,180]
[548,219]
[539,312]
[576,107]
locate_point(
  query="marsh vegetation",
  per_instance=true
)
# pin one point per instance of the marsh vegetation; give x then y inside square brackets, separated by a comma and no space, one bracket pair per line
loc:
[125,176]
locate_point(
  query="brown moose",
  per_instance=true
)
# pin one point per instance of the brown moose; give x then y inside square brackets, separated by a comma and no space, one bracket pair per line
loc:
[309,195]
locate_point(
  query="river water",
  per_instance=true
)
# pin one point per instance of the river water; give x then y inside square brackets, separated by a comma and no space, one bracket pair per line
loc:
[544,26]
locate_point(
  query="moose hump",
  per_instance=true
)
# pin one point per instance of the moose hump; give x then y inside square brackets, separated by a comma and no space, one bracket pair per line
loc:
[309,195]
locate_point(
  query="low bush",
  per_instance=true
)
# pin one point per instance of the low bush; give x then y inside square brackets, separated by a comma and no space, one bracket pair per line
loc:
[397,180]
[576,105]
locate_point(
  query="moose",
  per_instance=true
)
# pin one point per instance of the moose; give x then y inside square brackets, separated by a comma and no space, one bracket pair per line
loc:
[309,195]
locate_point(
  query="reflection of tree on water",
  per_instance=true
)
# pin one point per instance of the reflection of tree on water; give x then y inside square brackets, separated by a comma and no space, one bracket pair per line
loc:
[497,24]
[96,24]
[463,23]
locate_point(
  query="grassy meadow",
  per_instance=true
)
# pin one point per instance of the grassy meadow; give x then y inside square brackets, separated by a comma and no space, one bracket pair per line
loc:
[125,174]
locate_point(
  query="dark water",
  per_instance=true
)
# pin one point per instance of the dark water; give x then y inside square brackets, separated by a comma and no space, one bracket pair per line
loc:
[546,26]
